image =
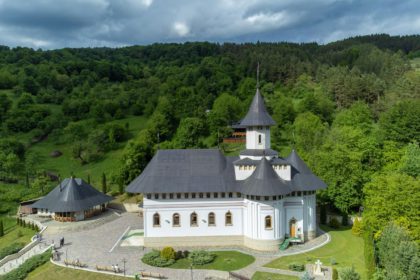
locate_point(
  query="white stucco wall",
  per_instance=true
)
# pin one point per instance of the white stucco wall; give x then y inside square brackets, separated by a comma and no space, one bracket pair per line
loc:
[184,207]
[248,216]
[252,134]
[284,172]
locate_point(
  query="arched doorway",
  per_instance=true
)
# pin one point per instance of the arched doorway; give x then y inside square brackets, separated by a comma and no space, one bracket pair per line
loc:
[292,227]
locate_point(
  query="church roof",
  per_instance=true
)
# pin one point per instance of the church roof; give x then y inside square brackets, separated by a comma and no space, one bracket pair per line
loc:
[208,170]
[71,195]
[302,177]
[258,152]
[257,114]
[265,181]
[193,170]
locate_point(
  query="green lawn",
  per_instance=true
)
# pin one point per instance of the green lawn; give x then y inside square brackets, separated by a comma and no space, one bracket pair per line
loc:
[50,271]
[14,233]
[65,164]
[345,248]
[225,261]
[272,276]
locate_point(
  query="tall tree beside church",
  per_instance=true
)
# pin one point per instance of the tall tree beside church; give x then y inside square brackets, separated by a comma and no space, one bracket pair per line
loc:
[137,154]
[226,110]
[189,132]
[104,186]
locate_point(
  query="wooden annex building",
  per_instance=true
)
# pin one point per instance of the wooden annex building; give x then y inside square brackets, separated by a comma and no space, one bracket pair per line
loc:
[72,200]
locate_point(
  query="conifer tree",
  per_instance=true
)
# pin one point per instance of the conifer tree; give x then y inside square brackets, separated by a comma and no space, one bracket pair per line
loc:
[1,228]
[88,179]
[104,188]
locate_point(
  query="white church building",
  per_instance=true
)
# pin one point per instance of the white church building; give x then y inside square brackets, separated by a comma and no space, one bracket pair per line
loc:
[199,197]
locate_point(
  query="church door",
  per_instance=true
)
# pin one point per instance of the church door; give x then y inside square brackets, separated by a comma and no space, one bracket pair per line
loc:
[292,226]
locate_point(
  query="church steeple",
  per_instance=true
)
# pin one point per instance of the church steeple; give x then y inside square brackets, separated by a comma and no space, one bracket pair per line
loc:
[257,114]
[257,122]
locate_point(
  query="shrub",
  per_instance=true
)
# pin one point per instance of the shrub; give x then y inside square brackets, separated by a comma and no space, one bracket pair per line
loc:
[31,264]
[186,253]
[1,228]
[154,259]
[167,253]
[201,257]
[348,273]
[357,227]
[19,234]
[11,249]
[334,274]
[297,267]
[333,261]
[334,223]
[179,255]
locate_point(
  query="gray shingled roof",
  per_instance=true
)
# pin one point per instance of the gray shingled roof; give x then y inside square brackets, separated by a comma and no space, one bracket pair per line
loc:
[208,170]
[258,152]
[302,177]
[73,194]
[194,170]
[257,114]
[265,181]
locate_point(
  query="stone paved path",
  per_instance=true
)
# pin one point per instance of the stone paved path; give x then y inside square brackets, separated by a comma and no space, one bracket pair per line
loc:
[100,246]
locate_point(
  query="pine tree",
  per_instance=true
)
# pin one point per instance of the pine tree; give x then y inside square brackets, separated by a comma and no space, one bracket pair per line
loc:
[1,228]
[104,183]
[88,179]
[27,180]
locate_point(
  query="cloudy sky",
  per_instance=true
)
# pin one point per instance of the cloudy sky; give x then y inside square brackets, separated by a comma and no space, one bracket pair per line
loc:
[51,24]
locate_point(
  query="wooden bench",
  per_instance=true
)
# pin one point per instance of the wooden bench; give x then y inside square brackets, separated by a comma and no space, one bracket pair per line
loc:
[152,275]
[75,263]
[109,269]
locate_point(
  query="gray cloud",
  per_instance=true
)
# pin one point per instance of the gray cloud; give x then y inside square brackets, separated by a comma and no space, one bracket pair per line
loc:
[82,23]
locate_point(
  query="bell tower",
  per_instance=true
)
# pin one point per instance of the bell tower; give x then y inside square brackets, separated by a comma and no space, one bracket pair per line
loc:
[257,123]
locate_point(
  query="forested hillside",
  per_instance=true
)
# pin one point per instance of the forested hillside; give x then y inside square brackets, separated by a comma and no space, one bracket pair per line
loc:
[351,109]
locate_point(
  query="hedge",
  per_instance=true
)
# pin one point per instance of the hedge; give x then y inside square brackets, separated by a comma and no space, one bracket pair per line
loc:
[31,264]
[11,249]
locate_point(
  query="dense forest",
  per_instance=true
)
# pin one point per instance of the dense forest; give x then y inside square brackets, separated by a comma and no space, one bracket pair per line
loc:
[350,108]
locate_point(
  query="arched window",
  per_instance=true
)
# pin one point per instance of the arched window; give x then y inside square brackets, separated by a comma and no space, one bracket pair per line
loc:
[193,219]
[228,219]
[212,219]
[268,224]
[175,220]
[259,139]
[156,220]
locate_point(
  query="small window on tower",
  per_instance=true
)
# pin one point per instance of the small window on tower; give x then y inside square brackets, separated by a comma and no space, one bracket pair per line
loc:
[259,139]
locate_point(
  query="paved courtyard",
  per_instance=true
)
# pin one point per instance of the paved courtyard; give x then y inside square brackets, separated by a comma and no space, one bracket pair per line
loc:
[100,245]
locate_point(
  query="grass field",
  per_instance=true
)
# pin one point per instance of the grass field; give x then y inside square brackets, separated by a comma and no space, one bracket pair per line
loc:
[65,164]
[225,261]
[345,248]
[50,271]
[272,276]
[14,233]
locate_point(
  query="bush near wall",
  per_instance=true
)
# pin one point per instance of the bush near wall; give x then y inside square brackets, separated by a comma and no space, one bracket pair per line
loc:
[31,264]
[201,257]
[154,259]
